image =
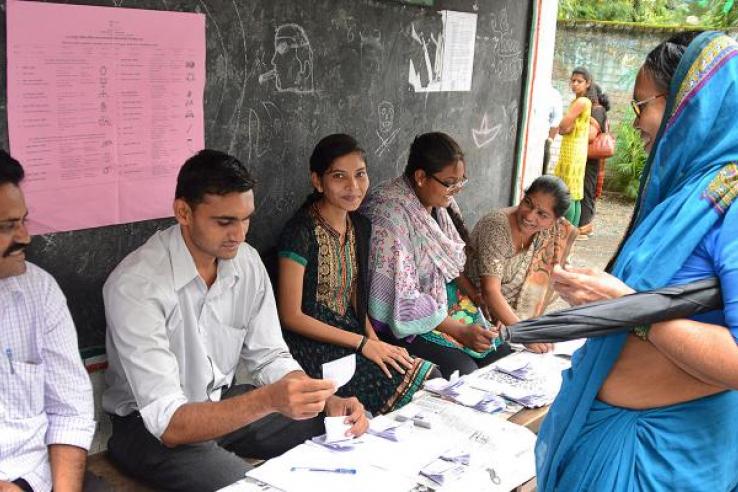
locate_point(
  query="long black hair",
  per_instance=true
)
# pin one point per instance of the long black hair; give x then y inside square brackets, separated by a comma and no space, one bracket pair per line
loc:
[432,152]
[325,152]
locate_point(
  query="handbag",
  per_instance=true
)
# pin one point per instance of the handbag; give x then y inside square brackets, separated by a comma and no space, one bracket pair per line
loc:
[603,145]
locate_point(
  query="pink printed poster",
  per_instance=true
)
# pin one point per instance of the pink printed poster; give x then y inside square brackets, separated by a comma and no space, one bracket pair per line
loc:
[104,106]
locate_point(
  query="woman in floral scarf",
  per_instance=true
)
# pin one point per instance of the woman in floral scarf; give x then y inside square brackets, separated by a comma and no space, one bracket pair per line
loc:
[416,256]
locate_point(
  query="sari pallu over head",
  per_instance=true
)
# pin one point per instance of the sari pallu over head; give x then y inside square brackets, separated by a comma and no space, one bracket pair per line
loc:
[689,174]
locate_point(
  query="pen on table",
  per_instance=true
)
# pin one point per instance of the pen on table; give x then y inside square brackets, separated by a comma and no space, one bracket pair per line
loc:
[350,471]
[9,354]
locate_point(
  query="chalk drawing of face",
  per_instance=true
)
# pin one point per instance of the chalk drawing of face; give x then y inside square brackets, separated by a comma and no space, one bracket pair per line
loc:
[386,112]
[293,59]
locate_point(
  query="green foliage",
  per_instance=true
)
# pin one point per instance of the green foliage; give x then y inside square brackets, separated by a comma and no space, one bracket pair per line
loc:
[628,161]
[721,14]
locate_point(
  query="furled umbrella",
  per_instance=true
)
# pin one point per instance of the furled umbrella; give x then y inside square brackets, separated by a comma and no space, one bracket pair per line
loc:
[620,314]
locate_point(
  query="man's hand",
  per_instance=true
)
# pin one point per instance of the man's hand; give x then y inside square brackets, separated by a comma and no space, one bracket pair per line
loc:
[476,338]
[9,487]
[352,409]
[584,285]
[299,397]
[385,354]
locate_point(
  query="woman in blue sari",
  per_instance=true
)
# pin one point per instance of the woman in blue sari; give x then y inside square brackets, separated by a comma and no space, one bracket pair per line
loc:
[657,409]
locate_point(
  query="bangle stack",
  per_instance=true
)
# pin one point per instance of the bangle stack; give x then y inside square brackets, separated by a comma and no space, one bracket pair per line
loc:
[361,344]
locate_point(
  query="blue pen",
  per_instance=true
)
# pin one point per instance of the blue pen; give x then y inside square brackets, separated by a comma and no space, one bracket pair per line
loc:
[350,471]
[9,354]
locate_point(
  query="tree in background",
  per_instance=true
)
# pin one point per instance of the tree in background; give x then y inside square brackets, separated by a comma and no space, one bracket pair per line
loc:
[719,14]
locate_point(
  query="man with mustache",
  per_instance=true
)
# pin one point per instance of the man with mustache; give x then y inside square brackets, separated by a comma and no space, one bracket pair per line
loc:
[181,311]
[46,406]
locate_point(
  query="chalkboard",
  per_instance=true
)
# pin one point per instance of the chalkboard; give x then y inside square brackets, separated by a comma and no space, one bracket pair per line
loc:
[359,52]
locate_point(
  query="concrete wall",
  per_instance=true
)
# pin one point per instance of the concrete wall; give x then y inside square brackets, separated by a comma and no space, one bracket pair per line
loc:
[612,52]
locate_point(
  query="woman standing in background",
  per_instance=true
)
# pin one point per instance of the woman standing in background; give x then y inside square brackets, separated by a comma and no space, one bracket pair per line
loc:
[574,127]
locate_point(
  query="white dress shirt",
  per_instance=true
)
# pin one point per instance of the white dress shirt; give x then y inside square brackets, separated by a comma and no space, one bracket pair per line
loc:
[171,340]
[45,392]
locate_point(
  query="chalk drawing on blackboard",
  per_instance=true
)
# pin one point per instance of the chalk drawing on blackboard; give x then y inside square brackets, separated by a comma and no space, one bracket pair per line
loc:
[486,133]
[224,54]
[424,74]
[371,51]
[511,120]
[255,138]
[292,61]
[507,52]
[386,131]
[235,136]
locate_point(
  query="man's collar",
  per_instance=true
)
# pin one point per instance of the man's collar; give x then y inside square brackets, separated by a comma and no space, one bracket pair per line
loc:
[183,265]
[184,270]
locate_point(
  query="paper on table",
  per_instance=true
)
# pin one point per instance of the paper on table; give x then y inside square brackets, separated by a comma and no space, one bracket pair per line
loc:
[340,371]
[249,484]
[277,472]
[335,429]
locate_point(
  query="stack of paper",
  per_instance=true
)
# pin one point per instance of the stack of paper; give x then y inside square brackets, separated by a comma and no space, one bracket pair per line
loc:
[533,380]
[466,394]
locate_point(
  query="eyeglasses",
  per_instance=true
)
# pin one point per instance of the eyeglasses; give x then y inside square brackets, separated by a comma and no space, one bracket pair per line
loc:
[636,105]
[451,187]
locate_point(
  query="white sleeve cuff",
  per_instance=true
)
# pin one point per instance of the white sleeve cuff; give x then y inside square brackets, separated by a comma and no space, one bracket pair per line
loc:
[276,370]
[40,478]
[157,414]
[75,431]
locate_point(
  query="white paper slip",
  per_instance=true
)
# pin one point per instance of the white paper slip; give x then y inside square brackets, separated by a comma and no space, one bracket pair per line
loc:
[335,429]
[340,371]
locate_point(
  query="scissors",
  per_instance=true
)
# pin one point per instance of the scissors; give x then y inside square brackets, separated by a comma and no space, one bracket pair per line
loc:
[494,476]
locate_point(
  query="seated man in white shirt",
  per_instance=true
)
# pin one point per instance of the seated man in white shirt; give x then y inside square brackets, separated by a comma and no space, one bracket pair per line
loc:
[46,408]
[181,311]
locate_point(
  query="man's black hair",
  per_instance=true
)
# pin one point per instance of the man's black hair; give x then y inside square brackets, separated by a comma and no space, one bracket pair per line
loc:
[10,169]
[211,172]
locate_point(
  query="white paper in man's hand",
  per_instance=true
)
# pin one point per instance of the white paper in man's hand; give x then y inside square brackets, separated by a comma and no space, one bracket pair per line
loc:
[340,371]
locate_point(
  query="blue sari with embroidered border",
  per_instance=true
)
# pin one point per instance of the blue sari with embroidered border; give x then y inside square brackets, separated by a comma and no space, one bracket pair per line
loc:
[687,185]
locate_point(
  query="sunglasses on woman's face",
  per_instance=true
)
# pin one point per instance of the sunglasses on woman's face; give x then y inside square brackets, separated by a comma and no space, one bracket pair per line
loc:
[638,105]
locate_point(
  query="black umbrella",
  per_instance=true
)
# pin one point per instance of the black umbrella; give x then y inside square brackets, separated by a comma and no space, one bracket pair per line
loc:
[621,314]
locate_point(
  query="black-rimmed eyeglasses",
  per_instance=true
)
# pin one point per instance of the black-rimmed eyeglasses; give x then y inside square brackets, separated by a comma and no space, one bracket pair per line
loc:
[451,187]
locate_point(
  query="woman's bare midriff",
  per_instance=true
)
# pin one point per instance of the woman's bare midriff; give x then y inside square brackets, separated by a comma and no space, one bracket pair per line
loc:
[643,377]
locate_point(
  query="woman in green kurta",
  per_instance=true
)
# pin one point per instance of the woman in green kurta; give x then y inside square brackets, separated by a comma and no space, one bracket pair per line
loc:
[323,284]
